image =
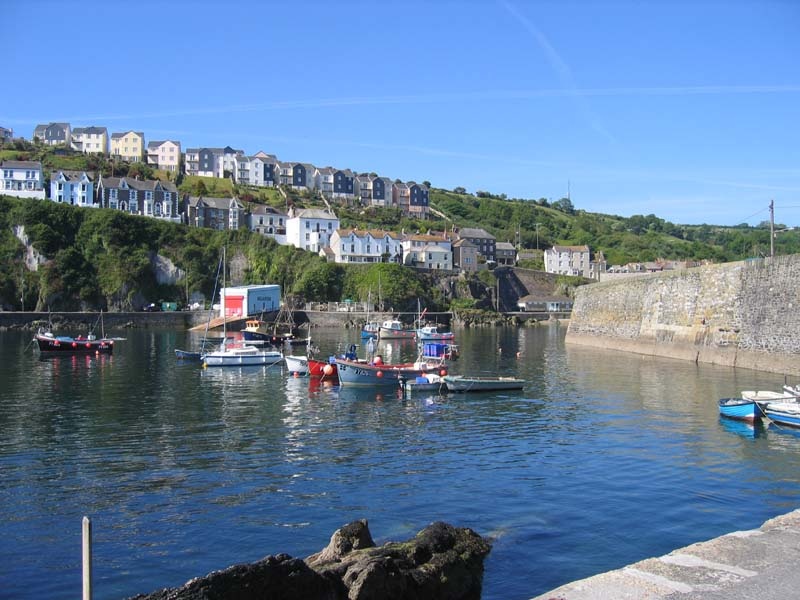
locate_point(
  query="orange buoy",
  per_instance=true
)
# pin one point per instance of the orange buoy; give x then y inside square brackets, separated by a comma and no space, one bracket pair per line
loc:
[379,374]
[327,370]
[296,374]
[443,372]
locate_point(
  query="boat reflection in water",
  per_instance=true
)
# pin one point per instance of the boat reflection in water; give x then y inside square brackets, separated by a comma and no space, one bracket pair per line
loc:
[745,429]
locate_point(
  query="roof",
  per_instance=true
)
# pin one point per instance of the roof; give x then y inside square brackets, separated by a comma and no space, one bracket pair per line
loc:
[75,175]
[81,130]
[571,248]
[116,136]
[464,242]
[314,213]
[425,237]
[505,246]
[472,232]
[375,233]
[263,209]
[138,184]
[218,203]
[21,164]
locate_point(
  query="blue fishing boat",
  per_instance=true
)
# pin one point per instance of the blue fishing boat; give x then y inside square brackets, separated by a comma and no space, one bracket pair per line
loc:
[740,408]
[784,413]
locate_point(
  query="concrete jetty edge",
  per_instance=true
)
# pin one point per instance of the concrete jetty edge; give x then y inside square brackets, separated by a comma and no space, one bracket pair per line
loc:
[757,563]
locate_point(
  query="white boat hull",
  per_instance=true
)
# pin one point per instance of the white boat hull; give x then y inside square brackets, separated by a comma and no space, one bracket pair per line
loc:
[241,357]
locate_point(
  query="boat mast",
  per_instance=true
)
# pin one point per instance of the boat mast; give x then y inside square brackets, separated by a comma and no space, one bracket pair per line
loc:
[222,294]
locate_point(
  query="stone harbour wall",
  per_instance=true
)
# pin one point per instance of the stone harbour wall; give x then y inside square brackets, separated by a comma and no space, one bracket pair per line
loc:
[743,314]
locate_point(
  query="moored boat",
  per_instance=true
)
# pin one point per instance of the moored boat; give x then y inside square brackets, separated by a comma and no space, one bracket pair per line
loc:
[432,333]
[784,413]
[427,382]
[357,372]
[739,408]
[188,355]
[50,344]
[303,365]
[371,329]
[463,383]
[240,355]
[393,329]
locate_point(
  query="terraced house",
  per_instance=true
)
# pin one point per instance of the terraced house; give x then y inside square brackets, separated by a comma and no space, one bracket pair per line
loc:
[211,162]
[259,170]
[75,188]
[374,190]
[366,246]
[215,213]
[151,198]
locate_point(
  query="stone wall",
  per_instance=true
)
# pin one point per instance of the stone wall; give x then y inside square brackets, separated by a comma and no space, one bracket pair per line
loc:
[742,314]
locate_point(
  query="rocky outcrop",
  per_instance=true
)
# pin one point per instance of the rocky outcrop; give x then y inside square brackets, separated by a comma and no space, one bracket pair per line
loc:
[441,562]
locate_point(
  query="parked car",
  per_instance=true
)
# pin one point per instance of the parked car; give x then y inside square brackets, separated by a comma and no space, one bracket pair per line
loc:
[152,307]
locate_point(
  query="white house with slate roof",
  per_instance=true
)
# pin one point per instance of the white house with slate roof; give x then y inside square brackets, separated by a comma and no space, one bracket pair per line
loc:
[310,228]
[90,140]
[22,178]
[366,246]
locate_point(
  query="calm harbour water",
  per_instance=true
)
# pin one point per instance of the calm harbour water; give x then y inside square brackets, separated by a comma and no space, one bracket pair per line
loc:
[604,459]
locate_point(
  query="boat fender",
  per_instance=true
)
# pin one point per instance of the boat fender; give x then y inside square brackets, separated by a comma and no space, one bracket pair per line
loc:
[443,372]
[379,374]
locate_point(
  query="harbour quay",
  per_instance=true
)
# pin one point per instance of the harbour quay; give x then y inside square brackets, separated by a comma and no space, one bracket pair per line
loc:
[757,563]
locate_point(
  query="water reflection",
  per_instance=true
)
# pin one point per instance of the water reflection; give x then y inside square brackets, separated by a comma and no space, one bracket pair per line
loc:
[188,469]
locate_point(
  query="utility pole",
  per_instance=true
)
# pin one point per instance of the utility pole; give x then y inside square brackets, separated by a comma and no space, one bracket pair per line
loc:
[771,228]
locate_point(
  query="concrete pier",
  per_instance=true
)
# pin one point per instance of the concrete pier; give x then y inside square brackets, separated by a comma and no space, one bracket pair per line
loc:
[758,563]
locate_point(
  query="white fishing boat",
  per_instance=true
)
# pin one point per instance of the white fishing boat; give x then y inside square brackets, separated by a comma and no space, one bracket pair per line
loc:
[393,329]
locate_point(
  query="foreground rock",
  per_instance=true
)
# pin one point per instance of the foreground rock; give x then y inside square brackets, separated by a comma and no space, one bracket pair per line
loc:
[441,562]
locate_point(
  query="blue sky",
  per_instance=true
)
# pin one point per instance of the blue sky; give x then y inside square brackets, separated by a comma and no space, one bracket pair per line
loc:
[687,110]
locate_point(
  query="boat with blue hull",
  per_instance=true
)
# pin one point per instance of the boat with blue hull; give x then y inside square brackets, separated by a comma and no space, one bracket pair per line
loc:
[354,371]
[783,413]
[743,409]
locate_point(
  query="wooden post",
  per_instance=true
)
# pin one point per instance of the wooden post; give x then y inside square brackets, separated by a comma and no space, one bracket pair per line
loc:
[87,558]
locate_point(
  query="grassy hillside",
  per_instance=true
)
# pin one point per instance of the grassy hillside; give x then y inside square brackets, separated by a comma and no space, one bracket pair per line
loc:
[105,259]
